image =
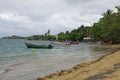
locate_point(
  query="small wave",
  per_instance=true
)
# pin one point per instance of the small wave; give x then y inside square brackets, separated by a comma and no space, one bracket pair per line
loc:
[5,71]
[16,64]
[11,65]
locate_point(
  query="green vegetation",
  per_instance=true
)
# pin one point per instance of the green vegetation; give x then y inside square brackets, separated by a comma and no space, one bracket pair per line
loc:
[41,37]
[107,29]
[75,35]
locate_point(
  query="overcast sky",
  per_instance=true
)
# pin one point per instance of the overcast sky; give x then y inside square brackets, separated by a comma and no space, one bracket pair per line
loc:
[29,17]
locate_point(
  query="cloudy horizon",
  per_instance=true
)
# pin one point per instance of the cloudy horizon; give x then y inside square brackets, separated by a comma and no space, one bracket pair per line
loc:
[31,17]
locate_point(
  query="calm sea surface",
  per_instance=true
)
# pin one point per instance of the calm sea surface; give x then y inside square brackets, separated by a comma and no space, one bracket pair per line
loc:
[19,63]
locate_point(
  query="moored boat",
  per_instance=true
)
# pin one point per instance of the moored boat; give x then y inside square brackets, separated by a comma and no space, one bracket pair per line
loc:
[74,42]
[61,43]
[30,45]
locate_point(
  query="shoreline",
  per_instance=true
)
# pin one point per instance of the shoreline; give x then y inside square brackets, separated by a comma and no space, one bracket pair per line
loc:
[102,68]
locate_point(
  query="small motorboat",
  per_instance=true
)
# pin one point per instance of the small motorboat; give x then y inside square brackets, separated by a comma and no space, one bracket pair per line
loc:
[74,42]
[61,43]
[30,45]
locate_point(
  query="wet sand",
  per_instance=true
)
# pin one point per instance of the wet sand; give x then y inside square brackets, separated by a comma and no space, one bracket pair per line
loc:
[105,68]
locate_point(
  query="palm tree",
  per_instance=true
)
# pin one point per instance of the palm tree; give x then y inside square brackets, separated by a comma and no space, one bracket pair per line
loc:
[48,32]
[108,12]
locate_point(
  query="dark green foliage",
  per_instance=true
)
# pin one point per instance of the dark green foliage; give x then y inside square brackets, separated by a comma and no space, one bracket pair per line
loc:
[107,29]
[62,36]
[75,35]
[41,37]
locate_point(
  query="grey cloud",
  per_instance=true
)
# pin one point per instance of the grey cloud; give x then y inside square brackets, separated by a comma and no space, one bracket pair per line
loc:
[79,1]
[56,15]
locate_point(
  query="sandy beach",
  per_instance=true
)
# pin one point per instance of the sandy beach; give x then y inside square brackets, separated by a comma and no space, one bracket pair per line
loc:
[105,68]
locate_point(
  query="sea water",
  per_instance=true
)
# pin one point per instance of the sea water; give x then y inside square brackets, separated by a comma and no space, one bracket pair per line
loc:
[17,62]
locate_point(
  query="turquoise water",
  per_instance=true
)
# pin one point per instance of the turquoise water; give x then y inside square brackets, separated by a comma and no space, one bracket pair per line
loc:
[19,63]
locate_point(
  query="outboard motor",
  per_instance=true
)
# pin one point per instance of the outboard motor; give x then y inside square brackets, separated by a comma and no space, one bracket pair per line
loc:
[50,46]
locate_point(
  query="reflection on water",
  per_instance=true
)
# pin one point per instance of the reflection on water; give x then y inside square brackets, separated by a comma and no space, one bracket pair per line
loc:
[19,63]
